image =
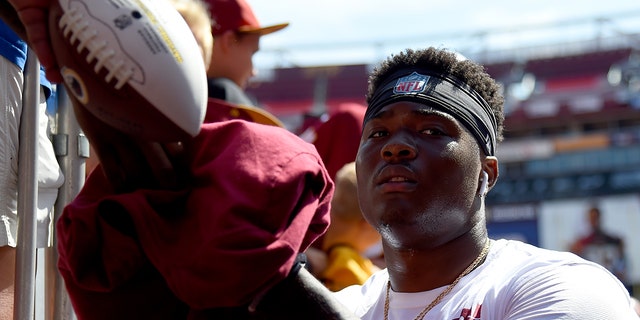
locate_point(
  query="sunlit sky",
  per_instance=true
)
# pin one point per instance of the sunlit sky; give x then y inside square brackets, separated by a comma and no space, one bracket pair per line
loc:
[325,32]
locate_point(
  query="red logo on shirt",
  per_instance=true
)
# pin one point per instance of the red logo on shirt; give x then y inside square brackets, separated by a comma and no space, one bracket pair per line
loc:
[470,314]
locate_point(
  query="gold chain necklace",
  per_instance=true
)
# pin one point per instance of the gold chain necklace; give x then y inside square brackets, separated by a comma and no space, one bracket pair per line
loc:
[473,265]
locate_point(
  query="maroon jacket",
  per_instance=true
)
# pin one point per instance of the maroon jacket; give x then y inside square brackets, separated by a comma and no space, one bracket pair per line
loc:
[258,195]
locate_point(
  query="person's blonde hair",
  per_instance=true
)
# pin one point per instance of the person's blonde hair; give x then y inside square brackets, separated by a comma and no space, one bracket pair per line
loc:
[344,204]
[196,14]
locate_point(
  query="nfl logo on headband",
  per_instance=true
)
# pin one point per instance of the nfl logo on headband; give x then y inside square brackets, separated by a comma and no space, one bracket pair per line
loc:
[411,84]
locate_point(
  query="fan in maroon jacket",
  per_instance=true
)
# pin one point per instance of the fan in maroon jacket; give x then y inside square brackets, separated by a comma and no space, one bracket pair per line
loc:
[211,227]
[253,198]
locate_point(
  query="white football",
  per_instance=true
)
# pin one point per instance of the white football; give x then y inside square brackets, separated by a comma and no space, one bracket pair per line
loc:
[134,64]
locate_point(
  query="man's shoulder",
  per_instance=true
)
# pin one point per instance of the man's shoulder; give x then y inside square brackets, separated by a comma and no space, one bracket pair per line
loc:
[520,254]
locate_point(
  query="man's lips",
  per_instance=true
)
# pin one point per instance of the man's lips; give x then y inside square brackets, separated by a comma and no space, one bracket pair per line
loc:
[396,179]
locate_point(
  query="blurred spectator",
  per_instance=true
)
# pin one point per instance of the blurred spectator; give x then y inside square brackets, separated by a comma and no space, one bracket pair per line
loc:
[603,248]
[337,138]
[236,34]
[310,122]
[349,236]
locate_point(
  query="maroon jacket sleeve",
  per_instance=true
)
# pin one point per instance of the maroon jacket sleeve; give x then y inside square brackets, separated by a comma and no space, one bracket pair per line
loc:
[258,196]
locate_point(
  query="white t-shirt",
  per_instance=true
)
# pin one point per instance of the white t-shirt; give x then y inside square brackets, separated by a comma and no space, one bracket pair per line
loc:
[516,281]
[50,176]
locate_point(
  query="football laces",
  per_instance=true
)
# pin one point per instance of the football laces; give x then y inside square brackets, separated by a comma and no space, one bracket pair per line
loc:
[77,28]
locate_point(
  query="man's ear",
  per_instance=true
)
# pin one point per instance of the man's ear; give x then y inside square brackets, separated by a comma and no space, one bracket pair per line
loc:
[490,166]
[226,40]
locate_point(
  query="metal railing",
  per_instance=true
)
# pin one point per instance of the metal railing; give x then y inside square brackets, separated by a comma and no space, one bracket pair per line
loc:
[71,148]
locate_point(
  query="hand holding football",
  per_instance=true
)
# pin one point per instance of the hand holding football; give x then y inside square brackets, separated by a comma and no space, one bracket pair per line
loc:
[134,64]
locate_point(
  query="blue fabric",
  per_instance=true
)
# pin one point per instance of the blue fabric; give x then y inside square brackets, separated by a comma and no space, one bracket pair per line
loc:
[14,49]
[11,46]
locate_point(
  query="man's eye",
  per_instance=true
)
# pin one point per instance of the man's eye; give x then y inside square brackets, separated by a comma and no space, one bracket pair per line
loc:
[378,134]
[433,131]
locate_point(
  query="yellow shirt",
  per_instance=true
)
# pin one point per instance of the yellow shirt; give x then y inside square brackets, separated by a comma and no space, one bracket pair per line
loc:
[345,267]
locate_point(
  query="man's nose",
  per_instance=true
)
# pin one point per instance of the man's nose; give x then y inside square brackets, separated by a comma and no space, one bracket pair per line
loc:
[398,147]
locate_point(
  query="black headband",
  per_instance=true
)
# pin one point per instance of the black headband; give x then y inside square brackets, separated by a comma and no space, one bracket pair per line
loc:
[443,92]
